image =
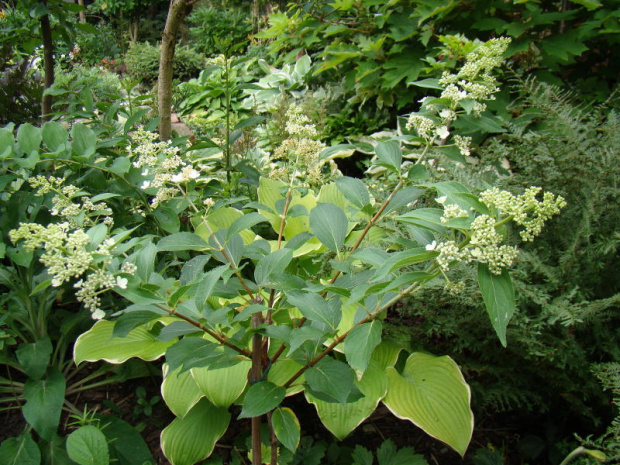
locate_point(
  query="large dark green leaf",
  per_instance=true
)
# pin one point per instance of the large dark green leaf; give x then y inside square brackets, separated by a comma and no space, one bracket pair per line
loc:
[35,357]
[271,264]
[261,398]
[44,399]
[286,426]
[360,343]
[181,241]
[88,446]
[21,450]
[354,190]
[331,381]
[389,155]
[125,443]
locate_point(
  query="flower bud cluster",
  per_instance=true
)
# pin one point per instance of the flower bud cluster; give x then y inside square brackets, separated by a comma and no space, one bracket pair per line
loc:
[525,210]
[485,245]
[71,203]
[161,166]
[299,151]
[451,211]
[65,255]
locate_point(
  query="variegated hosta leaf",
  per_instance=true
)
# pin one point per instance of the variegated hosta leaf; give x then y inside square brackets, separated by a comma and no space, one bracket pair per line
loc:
[342,419]
[180,391]
[432,393]
[222,386]
[98,344]
[191,439]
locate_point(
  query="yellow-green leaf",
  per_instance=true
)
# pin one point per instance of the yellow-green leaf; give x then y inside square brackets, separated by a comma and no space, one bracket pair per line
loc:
[222,386]
[432,393]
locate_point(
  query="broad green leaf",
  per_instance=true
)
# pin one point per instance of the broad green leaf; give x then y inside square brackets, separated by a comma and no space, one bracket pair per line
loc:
[341,419]
[305,333]
[245,222]
[44,399]
[168,219]
[354,190]
[499,298]
[99,344]
[88,446]
[131,320]
[180,391]
[181,241]
[432,394]
[329,224]
[286,426]
[21,450]
[271,264]
[429,218]
[191,439]
[399,260]
[386,354]
[55,135]
[389,155]
[55,452]
[360,343]
[35,357]
[192,352]
[126,445]
[84,140]
[315,308]
[28,138]
[261,398]
[331,381]
[222,386]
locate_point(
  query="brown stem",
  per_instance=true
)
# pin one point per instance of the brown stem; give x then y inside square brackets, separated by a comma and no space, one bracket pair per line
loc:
[273,440]
[218,337]
[257,373]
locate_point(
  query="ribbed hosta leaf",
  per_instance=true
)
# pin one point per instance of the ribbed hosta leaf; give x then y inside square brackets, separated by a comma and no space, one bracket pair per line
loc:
[224,385]
[98,344]
[180,391]
[192,438]
[342,419]
[432,393]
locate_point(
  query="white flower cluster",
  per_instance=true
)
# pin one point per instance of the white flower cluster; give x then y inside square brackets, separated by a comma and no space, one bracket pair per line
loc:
[463,144]
[423,125]
[485,242]
[161,166]
[299,124]
[71,203]
[65,256]
[525,210]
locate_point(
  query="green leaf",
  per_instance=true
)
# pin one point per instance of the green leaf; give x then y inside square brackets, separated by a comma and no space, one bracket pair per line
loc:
[180,391]
[99,344]
[341,419]
[354,190]
[399,260]
[35,357]
[181,241]
[88,446]
[432,394]
[388,454]
[389,155]
[331,381]
[360,343]
[329,224]
[499,298]
[245,222]
[55,136]
[315,308]
[44,399]
[286,426]
[125,442]
[271,264]
[168,219]
[222,386]
[28,138]
[261,398]
[191,439]
[84,140]
[205,287]
[131,320]
[427,84]
[251,121]
[21,450]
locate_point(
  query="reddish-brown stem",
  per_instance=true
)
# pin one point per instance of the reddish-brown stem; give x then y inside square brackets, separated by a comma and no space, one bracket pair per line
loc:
[257,373]
[370,224]
[218,337]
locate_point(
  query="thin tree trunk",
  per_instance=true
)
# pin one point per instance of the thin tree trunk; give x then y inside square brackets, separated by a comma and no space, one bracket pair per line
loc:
[176,13]
[48,64]
[82,13]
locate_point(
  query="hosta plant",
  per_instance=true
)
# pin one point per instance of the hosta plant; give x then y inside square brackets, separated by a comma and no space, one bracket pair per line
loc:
[254,299]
